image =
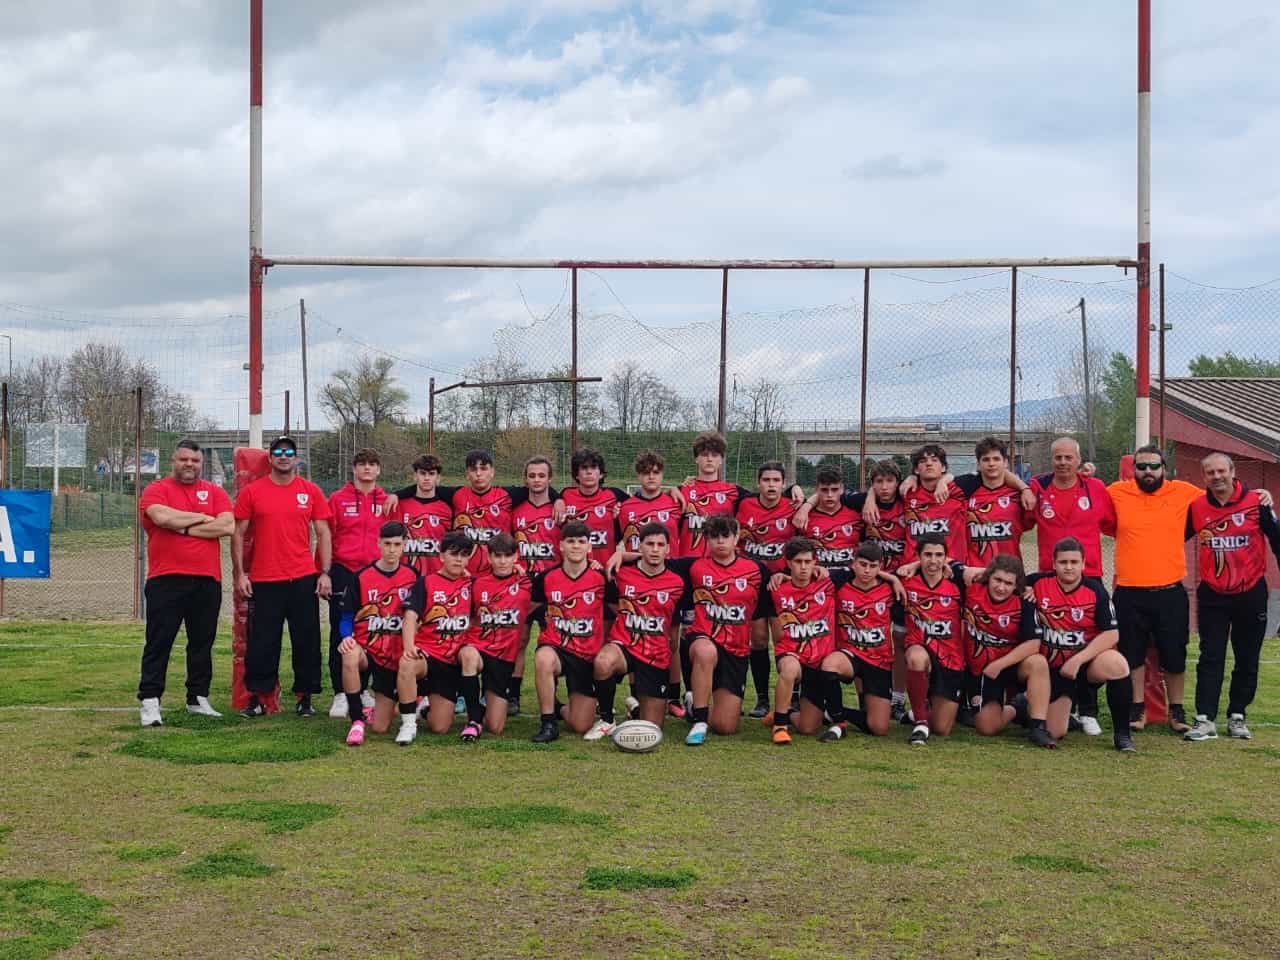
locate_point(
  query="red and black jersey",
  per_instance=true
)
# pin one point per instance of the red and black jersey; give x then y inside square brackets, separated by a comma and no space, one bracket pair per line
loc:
[447,622]
[836,534]
[425,522]
[637,510]
[994,520]
[765,530]
[1083,510]
[575,610]
[647,604]
[376,601]
[864,622]
[808,618]
[702,499]
[925,515]
[537,535]
[501,606]
[934,614]
[1070,619]
[725,598]
[596,511]
[992,628]
[890,531]
[1232,540]
[482,515]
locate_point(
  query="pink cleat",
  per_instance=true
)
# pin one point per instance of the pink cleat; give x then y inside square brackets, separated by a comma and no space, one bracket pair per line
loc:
[355,736]
[471,732]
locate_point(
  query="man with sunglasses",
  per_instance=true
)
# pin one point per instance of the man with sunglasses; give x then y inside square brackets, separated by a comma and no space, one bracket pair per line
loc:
[282,583]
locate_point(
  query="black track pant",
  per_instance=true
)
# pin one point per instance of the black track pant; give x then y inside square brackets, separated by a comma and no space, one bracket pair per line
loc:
[173,600]
[342,579]
[274,604]
[1242,618]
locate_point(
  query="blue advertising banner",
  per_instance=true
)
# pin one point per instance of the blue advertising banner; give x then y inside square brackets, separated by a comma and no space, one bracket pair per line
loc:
[24,534]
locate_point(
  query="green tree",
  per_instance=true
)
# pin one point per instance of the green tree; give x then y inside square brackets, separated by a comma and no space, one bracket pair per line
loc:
[1116,423]
[1230,365]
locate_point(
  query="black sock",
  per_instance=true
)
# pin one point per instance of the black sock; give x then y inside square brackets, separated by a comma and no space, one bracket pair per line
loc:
[470,690]
[549,718]
[686,665]
[1120,703]
[192,699]
[700,714]
[606,693]
[513,688]
[408,708]
[760,673]
[1034,724]
[857,718]
[355,709]
[1135,709]
[835,697]
[673,692]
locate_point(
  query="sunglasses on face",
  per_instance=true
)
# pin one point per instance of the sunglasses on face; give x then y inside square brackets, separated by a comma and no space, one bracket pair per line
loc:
[1148,466]
[284,452]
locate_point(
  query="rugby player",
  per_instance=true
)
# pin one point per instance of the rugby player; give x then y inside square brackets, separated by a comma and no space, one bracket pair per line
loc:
[501,598]
[934,648]
[538,539]
[379,609]
[592,503]
[573,593]
[1079,638]
[426,515]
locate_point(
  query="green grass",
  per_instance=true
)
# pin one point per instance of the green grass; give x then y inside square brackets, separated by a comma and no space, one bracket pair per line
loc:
[41,917]
[885,850]
[277,816]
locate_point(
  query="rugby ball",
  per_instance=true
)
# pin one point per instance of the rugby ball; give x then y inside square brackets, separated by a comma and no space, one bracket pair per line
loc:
[637,736]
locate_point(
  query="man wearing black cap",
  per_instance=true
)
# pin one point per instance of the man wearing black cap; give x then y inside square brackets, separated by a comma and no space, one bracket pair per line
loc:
[282,583]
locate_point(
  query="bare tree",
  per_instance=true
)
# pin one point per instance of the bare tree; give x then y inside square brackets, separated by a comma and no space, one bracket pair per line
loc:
[1069,380]
[365,395]
[760,406]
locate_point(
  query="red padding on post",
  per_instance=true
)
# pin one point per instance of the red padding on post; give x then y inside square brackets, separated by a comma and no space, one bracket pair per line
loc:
[250,464]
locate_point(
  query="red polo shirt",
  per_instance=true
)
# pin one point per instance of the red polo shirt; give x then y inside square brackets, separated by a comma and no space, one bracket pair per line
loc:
[170,552]
[281,516]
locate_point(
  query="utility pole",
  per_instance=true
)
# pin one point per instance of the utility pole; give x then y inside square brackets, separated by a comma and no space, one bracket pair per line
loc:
[1088,384]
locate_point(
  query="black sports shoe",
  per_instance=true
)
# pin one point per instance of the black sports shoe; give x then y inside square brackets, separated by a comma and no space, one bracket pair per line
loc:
[546,733]
[1041,737]
[1021,716]
[253,709]
[919,735]
[513,706]
[304,708]
[1124,743]
[759,710]
[967,716]
[899,714]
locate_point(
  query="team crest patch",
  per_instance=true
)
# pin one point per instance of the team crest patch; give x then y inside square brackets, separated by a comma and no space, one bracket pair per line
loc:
[847,529]
[1047,512]
[1077,614]
[589,596]
[740,583]
[202,495]
[663,596]
[664,515]
[1083,503]
[879,606]
[1003,619]
[780,523]
[600,511]
[1238,519]
[820,597]
[434,520]
[513,589]
[465,593]
[720,498]
[1003,501]
[548,523]
[402,593]
[303,498]
[493,510]
[944,601]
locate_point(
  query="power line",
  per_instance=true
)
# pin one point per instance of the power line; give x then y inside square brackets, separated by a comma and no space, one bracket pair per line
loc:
[1210,286]
[338,332]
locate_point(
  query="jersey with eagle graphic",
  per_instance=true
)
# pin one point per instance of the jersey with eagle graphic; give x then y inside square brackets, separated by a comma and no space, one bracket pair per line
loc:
[1069,619]
[575,610]
[994,627]
[501,609]
[765,530]
[934,614]
[808,618]
[647,604]
[447,621]
[1231,540]
[725,598]
[864,622]
[377,601]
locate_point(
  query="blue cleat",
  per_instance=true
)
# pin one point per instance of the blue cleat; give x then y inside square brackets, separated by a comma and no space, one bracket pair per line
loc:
[697,736]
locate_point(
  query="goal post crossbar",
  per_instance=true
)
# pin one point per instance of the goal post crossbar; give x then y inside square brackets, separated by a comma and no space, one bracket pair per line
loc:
[518,263]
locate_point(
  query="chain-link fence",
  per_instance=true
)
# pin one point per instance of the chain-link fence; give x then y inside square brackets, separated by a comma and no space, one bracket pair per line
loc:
[940,367]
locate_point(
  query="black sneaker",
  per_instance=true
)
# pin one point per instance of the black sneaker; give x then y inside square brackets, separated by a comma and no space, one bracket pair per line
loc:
[304,708]
[1021,714]
[1124,743]
[1073,723]
[1041,737]
[899,714]
[253,709]
[836,732]
[547,732]
[513,706]
[919,736]
[966,716]
[759,710]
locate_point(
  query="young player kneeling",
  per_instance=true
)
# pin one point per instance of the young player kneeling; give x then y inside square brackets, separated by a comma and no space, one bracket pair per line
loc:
[379,610]
[502,597]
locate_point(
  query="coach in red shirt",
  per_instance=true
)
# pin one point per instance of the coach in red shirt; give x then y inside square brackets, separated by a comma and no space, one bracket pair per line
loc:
[184,517]
[282,583]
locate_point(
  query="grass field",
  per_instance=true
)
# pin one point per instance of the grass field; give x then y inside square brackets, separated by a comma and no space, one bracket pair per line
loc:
[233,838]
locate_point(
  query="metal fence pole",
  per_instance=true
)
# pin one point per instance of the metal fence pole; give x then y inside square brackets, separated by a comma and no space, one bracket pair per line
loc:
[1088,383]
[862,402]
[431,415]
[573,363]
[1163,328]
[724,349]
[306,391]
[1013,364]
[137,499]
[286,412]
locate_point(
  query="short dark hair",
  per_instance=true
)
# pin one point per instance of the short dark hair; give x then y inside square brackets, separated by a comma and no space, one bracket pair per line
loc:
[932,538]
[392,528]
[826,476]
[885,468]
[586,457]
[869,550]
[366,455]
[1007,563]
[990,445]
[536,459]
[719,525]
[185,444]
[457,541]
[502,545]
[428,463]
[709,441]
[653,530]
[478,457]
[1067,545]
[798,545]
[771,465]
[1150,448]
[575,530]
[648,461]
[928,450]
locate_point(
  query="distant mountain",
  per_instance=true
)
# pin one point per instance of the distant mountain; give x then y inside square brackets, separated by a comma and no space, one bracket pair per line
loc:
[1045,408]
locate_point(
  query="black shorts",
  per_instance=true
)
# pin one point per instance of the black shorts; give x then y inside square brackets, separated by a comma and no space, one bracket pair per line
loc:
[382,679]
[579,677]
[1060,686]
[647,680]
[946,683]
[876,681]
[442,679]
[537,614]
[495,675]
[1157,617]
[813,686]
[898,615]
[730,674]
[1002,688]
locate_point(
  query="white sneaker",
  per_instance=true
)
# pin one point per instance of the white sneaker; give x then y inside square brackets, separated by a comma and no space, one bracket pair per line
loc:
[202,708]
[633,707]
[1089,726]
[599,730]
[1202,729]
[408,729]
[1236,727]
[339,706]
[688,704]
[366,699]
[149,712]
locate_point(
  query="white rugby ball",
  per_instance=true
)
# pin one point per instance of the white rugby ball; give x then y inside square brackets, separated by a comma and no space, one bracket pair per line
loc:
[637,736]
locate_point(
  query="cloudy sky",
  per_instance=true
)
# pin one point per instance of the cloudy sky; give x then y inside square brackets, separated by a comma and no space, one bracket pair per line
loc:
[605,129]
